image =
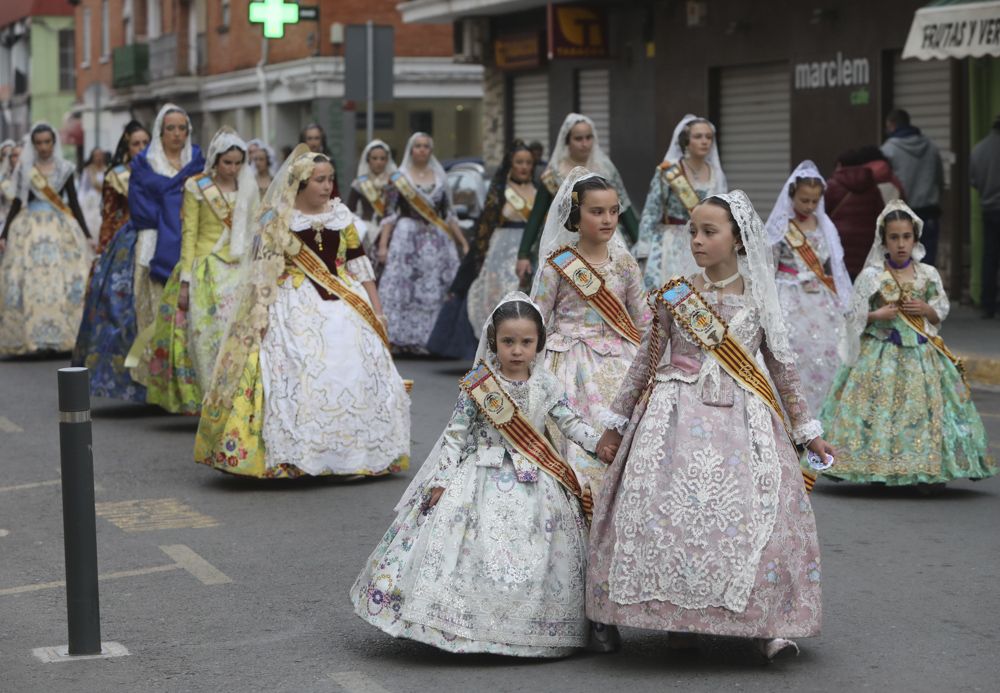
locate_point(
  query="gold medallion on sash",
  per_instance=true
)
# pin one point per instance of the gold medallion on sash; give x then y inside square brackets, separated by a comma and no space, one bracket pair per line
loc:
[797,241]
[590,286]
[314,268]
[215,198]
[485,389]
[550,181]
[895,291]
[515,200]
[118,178]
[711,333]
[41,184]
[677,179]
[421,205]
[372,194]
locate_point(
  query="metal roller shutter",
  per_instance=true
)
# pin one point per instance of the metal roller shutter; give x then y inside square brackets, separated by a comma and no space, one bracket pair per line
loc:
[923,89]
[754,130]
[594,96]
[531,108]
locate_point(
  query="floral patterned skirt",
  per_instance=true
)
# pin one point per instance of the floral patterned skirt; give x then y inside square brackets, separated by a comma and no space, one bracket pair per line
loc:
[43,280]
[497,276]
[902,415]
[815,328]
[421,265]
[669,256]
[166,365]
[591,382]
[496,566]
[108,328]
[212,296]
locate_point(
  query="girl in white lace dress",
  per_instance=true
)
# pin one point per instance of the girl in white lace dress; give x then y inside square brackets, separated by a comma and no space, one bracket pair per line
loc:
[488,550]
[703,524]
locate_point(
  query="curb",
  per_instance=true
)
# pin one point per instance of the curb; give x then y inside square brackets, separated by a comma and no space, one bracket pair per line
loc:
[982,371]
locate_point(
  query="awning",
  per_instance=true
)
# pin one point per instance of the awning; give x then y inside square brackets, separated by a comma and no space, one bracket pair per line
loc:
[955,29]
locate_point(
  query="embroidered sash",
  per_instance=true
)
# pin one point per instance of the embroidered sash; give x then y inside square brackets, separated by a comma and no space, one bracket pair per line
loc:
[372,194]
[551,181]
[118,178]
[503,413]
[894,291]
[797,241]
[711,333]
[591,287]
[515,200]
[419,202]
[311,264]
[215,198]
[678,181]
[41,184]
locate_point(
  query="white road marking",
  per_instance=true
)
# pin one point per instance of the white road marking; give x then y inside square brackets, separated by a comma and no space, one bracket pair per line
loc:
[60,653]
[8,426]
[187,559]
[4,532]
[356,682]
[184,559]
[36,484]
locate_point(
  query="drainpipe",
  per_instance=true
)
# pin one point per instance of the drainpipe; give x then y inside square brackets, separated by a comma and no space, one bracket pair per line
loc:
[265,116]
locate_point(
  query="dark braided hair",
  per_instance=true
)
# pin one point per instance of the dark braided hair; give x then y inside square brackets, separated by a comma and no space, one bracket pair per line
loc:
[513,310]
[897,215]
[723,204]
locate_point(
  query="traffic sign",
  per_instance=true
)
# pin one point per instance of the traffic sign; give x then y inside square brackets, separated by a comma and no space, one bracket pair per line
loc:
[274,15]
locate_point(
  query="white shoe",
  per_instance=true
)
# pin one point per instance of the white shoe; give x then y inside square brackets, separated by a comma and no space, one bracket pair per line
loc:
[774,648]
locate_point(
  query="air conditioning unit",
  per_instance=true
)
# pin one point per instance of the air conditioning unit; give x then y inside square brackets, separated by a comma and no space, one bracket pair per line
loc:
[469,36]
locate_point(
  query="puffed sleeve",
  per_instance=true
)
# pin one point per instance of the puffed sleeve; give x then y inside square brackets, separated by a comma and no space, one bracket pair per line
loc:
[786,378]
[358,265]
[454,439]
[190,227]
[651,350]
[937,298]
[652,215]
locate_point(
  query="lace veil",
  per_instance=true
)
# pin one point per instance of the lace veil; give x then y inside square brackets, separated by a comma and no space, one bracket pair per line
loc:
[675,153]
[247,194]
[155,155]
[599,162]
[777,225]
[483,353]
[390,167]
[29,157]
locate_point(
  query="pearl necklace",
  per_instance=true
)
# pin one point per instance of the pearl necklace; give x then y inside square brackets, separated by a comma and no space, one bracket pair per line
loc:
[721,284]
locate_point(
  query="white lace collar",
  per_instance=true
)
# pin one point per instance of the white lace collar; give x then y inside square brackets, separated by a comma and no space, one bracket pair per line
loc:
[335,217]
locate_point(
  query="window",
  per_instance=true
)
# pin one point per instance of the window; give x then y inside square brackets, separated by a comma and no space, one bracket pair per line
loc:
[128,22]
[85,53]
[67,75]
[154,20]
[226,13]
[105,31]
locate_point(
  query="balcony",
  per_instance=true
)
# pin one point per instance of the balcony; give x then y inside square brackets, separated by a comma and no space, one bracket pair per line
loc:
[163,57]
[130,65]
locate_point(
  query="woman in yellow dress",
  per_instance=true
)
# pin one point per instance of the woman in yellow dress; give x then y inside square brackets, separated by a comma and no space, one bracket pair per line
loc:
[178,358]
[305,383]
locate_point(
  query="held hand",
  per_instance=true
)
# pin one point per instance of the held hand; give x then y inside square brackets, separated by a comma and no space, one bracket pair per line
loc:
[523,268]
[607,446]
[886,312]
[433,498]
[915,306]
[182,297]
[383,254]
[822,448]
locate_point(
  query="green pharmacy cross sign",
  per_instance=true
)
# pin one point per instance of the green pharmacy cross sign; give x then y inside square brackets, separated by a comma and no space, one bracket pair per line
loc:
[274,15]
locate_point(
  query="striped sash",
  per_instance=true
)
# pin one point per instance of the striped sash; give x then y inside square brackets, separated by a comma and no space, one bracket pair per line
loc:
[372,194]
[216,200]
[711,333]
[590,286]
[515,200]
[421,205]
[41,184]
[678,181]
[485,389]
[118,178]
[797,241]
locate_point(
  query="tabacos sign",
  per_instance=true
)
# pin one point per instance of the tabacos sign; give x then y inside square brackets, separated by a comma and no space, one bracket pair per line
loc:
[836,73]
[577,31]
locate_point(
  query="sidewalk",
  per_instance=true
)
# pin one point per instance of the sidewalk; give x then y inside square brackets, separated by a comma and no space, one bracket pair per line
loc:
[977,342]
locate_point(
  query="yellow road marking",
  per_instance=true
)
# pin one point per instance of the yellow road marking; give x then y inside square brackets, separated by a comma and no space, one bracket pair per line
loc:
[153,514]
[36,484]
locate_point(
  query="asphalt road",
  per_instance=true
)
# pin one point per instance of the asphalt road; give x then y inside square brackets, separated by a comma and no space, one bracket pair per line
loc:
[249,589]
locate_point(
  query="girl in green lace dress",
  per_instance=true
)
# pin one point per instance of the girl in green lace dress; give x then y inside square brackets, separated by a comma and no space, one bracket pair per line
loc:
[900,412]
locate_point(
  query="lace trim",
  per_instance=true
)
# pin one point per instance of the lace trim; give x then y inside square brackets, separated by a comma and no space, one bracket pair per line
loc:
[807,432]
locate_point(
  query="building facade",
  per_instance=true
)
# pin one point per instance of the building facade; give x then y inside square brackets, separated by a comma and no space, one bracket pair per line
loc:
[36,65]
[207,57]
[781,82]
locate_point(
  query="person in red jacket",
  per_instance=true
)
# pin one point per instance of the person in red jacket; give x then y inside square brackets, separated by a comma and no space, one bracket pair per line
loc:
[854,199]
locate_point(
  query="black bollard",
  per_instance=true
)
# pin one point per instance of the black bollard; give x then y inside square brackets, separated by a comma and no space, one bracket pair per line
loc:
[79,521]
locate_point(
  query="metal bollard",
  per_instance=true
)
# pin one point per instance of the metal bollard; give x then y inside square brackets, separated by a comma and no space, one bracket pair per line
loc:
[79,520]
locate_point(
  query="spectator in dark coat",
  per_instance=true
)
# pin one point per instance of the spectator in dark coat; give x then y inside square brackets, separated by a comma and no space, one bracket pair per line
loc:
[985,173]
[853,201]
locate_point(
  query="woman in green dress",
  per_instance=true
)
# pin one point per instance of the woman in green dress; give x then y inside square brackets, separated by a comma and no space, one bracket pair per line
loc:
[899,411]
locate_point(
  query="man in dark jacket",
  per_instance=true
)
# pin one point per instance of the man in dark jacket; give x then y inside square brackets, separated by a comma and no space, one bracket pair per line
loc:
[985,174]
[917,163]
[853,201]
